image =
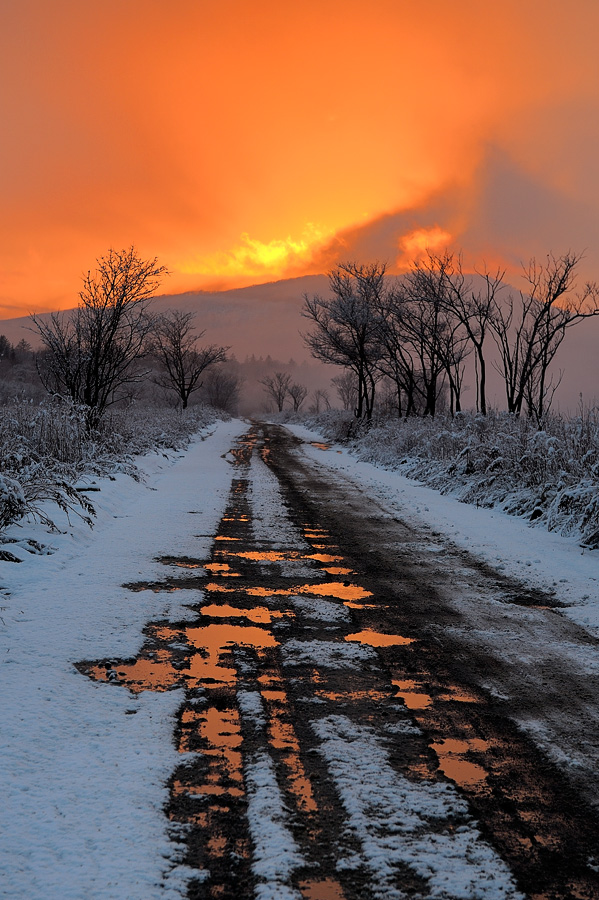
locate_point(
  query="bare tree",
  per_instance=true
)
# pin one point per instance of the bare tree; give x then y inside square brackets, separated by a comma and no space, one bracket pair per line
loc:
[429,331]
[529,329]
[472,309]
[222,389]
[91,353]
[298,393]
[320,400]
[277,388]
[181,360]
[397,361]
[346,327]
[346,386]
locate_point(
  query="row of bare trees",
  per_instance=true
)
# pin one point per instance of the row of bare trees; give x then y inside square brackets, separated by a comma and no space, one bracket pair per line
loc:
[417,331]
[280,387]
[112,341]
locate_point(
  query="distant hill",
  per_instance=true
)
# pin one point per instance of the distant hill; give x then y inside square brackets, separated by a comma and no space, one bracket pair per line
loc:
[261,320]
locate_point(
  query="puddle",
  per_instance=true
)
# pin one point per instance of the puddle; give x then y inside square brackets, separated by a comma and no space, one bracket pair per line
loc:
[221,537]
[342,590]
[337,570]
[222,569]
[346,696]
[412,696]
[458,695]
[320,445]
[266,555]
[217,640]
[157,674]
[377,639]
[450,753]
[259,614]
[327,889]
[338,589]
[282,738]
[325,558]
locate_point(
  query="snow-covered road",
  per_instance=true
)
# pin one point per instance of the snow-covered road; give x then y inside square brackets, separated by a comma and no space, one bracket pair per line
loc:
[248,681]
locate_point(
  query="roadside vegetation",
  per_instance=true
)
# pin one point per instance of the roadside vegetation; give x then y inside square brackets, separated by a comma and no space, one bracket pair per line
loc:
[111,381]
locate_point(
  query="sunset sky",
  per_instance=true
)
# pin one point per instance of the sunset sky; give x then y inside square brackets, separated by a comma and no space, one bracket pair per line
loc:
[242,141]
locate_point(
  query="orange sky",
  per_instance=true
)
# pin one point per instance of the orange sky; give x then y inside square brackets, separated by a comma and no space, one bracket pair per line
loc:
[245,140]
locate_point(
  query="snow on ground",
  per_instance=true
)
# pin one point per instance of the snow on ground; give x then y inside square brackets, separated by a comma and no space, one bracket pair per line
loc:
[77,756]
[403,823]
[541,559]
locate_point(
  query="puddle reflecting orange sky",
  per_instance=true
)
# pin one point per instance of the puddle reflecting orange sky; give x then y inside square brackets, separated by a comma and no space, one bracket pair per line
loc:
[325,889]
[377,639]
[143,674]
[450,752]
[282,737]
[259,614]
[412,695]
[266,555]
[324,557]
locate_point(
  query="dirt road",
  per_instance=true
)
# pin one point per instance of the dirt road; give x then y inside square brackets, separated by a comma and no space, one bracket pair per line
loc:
[369,713]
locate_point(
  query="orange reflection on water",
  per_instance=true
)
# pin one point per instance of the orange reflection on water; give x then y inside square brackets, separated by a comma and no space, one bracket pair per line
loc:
[377,639]
[342,590]
[221,537]
[459,695]
[324,557]
[411,696]
[450,752]
[326,889]
[352,605]
[216,640]
[269,555]
[216,734]
[222,569]
[275,696]
[282,737]
[344,696]
[259,614]
[214,588]
[157,674]
[337,570]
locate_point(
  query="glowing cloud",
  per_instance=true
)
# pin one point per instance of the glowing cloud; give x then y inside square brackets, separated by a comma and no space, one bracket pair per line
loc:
[179,126]
[419,241]
[252,257]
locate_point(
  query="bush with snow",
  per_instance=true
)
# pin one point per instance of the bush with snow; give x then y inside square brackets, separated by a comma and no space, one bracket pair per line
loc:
[549,475]
[46,449]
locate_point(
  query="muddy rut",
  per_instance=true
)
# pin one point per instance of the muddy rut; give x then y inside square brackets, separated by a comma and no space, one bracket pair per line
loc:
[363,705]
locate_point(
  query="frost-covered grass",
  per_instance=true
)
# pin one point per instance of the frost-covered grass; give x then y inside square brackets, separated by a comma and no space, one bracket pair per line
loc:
[46,449]
[549,476]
